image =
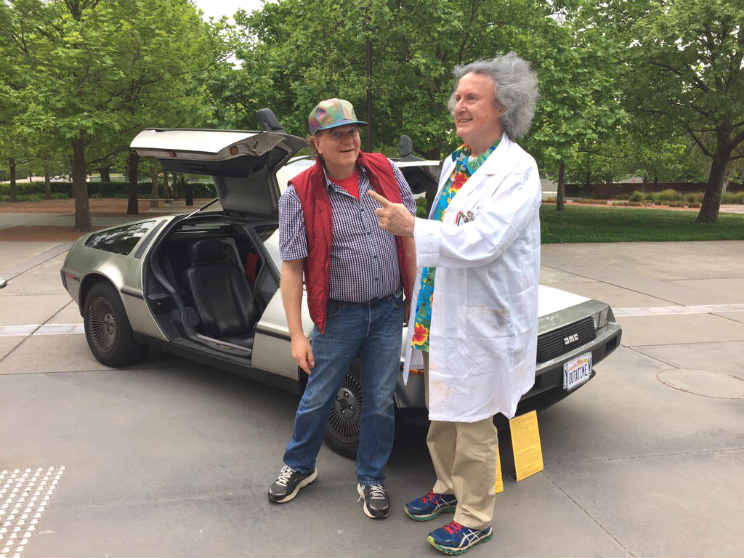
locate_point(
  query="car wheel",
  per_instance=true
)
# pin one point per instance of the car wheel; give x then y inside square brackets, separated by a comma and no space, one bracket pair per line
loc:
[107,328]
[343,422]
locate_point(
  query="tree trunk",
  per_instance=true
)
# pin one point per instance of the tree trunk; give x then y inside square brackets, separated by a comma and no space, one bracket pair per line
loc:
[166,186]
[80,187]
[176,186]
[712,198]
[132,173]
[13,187]
[370,120]
[105,174]
[47,182]
[155,190]
[560,200]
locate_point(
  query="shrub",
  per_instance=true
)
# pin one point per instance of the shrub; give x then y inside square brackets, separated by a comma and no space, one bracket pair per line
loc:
[694,198]
[121,189]
[637,196]
[668,195]
[732,197]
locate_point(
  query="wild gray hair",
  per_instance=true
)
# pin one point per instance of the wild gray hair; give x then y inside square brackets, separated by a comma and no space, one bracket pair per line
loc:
[515,89]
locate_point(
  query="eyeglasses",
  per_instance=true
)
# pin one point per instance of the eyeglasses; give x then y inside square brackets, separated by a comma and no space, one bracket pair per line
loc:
[339,134]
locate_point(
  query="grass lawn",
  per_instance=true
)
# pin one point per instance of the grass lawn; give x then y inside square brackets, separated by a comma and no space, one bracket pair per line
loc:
[614,224]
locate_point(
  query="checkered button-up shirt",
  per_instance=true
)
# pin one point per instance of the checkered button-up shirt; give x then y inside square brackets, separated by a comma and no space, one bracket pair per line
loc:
[364,259]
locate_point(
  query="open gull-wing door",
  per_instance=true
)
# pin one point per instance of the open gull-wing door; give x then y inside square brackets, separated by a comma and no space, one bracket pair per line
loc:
[242,163]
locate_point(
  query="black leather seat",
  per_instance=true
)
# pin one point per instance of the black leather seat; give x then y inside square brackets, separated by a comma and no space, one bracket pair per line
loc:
[223,298]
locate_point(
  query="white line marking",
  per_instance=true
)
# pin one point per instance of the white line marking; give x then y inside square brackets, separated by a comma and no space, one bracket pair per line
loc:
[676,310]
[46,329]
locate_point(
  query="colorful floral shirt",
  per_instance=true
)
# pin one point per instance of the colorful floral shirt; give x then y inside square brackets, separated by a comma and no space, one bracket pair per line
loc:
[465,166]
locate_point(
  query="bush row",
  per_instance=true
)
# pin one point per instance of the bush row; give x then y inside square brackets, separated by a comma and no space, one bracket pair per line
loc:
[691,198]
[32,197]
[100,189]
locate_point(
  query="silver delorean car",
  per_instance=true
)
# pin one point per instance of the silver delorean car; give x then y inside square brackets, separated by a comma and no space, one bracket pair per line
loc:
[205,285]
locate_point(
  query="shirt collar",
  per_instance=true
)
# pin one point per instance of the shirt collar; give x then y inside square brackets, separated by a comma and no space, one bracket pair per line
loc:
[462,153]
[331,185]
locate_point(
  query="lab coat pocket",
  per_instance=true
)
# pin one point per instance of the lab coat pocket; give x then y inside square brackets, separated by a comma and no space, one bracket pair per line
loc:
[483,322]
[489,338]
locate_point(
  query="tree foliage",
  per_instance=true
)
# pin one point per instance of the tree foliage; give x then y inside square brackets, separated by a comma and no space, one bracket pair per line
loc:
[684,71]
[98,70]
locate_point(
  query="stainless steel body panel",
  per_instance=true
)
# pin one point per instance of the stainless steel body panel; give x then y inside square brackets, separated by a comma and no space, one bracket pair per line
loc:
[123,271]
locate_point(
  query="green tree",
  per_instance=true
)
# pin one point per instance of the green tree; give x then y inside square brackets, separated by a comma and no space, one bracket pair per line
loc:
[685,68]
[579,112]
[392,60]
[98,69]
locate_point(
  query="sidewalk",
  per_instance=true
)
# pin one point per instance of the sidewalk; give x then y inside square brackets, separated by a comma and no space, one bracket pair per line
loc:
[53,220]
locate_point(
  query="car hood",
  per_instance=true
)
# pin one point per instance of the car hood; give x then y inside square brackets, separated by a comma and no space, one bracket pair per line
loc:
[550,300]
[243,163]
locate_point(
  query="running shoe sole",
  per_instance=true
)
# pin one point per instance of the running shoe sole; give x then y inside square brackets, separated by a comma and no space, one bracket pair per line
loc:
[302,484]
[461,550]
[422,517]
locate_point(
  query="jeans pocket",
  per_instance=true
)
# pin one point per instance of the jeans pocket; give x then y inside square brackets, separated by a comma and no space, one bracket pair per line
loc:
[334,308]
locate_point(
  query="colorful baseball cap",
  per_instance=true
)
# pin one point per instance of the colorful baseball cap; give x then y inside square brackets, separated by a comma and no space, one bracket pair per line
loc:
[332,113]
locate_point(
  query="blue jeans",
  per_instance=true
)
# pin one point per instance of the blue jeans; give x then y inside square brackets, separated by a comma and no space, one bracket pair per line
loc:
[373,331]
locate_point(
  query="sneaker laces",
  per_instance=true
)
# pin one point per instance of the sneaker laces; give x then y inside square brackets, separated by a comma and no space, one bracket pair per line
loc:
[452,527]
[284,475]
[429,497]
[375,491]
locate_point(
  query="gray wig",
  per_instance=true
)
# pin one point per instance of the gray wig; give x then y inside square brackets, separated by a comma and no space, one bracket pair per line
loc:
[515,89]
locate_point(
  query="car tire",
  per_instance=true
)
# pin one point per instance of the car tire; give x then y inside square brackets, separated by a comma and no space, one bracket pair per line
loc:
[342,435]
[107,328]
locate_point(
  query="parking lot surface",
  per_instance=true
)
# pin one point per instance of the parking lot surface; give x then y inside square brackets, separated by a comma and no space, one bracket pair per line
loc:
[172,458]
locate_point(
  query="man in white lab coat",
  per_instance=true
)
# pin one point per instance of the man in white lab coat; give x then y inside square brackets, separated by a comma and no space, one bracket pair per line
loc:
[475,320]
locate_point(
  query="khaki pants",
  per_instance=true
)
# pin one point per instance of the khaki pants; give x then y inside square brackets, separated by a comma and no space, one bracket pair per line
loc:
[465,458]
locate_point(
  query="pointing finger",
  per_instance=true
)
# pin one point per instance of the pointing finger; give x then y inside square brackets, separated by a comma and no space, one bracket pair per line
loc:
[379,199]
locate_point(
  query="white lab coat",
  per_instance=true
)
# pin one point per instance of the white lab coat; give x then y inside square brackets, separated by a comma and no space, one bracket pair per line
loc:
[483,334]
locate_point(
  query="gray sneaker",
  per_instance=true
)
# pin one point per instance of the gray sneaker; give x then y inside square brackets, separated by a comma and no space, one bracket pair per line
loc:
[288,484]
[375,500]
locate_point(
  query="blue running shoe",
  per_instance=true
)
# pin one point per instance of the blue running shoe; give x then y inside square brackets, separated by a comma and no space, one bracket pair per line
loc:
[430,505]
[454,538]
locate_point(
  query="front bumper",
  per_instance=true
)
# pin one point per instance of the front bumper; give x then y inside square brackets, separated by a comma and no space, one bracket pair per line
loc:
[548,375]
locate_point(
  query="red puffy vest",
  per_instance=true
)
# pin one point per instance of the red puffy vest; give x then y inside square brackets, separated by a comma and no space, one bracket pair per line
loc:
[316,208]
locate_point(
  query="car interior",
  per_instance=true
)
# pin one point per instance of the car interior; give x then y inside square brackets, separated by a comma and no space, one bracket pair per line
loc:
[210,283]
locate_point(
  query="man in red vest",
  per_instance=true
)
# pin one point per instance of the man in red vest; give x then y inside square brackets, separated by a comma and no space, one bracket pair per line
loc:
[356,275]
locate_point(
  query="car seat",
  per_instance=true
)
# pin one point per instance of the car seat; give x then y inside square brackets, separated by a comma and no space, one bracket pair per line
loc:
[223,298]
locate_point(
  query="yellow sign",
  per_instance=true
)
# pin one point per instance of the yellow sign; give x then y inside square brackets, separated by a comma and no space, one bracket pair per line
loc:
[498,485]
[525,435]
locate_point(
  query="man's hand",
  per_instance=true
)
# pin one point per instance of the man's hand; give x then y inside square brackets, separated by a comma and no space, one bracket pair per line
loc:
[393,217]
[302,352]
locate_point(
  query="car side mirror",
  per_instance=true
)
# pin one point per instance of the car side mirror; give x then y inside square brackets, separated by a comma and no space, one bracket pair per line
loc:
[268,120]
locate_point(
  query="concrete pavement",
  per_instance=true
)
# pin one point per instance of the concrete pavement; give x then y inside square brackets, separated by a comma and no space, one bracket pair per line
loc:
[169,457]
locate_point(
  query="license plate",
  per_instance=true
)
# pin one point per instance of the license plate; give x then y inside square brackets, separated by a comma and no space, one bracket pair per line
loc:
[577,371]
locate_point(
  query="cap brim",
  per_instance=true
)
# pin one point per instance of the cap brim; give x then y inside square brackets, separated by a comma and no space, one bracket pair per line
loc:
[341,123]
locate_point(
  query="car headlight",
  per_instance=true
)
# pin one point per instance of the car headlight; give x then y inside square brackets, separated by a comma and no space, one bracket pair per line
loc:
[602,317]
